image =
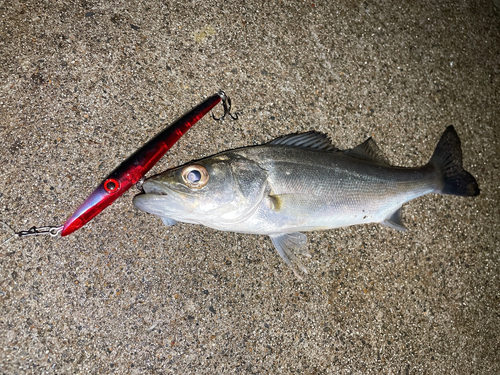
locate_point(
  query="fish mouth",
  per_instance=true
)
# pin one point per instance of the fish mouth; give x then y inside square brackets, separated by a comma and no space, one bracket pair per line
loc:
[154,188]
[156,198]
[150,203]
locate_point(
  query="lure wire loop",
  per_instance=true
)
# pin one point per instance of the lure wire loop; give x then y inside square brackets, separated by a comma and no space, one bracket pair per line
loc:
[52,231]
[226,104]
[40,231]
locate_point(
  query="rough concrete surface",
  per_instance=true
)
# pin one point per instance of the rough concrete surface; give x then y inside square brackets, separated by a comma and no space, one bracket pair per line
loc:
[84,83]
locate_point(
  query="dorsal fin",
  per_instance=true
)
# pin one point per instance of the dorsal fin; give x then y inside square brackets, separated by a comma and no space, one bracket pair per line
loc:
[368,150]
[313,140]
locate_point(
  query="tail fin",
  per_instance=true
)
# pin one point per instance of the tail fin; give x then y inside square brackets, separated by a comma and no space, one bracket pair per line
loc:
[447,159]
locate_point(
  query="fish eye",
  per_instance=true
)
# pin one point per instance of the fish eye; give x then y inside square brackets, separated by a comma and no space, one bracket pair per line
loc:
[195,176]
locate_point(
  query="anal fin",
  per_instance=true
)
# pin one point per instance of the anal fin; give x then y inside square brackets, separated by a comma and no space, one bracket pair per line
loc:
[395,221]
[287,245]
[168,221]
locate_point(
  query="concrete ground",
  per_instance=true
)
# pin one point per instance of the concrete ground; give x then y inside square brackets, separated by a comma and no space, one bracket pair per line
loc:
[84,83]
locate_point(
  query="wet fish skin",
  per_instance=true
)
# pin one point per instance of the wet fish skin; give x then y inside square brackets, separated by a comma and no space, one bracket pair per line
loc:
[300,183]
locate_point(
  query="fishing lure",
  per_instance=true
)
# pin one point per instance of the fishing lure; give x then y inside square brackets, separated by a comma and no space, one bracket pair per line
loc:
[132,169]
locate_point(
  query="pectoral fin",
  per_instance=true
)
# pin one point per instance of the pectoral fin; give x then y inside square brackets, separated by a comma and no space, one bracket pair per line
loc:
[168,221]
[287,245]
[395,222]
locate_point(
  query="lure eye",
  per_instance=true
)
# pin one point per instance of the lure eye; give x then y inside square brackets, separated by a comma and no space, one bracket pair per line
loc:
[195,176]
[111,185]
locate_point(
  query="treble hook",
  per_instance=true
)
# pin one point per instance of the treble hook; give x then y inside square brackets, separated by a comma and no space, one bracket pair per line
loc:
[52,231]
[226,103]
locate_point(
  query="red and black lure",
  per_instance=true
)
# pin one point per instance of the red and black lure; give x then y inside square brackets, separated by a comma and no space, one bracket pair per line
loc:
[132,169]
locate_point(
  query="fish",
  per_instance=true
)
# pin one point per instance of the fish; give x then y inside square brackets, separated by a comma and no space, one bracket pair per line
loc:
[299,183]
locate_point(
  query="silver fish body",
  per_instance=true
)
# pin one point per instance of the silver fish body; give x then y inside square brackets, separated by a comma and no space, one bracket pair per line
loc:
[301,183]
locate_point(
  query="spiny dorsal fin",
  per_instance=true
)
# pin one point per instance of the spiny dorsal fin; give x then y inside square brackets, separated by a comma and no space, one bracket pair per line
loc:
[368,150]
[313,140]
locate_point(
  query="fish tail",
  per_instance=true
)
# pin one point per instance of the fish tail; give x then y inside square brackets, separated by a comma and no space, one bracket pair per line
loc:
[447,160]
